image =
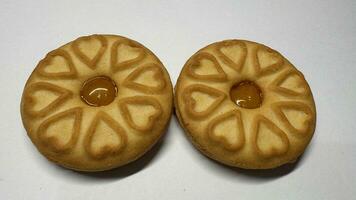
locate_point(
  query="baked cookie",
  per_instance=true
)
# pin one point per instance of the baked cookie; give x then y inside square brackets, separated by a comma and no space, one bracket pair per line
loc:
[245,105]
[96,103]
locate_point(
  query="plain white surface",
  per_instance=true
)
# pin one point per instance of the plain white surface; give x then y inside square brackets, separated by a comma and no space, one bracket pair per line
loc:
[317,36]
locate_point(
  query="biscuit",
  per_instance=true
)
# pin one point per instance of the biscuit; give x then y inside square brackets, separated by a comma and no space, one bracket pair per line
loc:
[97,103]
[243,104]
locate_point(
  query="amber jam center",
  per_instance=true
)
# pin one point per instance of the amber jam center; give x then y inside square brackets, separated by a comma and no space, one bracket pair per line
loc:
[98,91]
[246,94]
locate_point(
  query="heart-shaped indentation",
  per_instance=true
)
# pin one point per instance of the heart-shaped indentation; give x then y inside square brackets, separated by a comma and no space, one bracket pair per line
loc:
[125,54]
[140,112]
[204,66]
[227,129]
[206,100]
[60,131]
[57,64]
[296,116]
[291,83]
[267,139]
[147,79]
[41,98]
[267,61]
[105,137]
[233,53]
[89,49]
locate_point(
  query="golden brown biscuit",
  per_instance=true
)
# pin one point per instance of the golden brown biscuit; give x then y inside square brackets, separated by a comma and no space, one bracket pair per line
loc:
[97,103]
[245,105]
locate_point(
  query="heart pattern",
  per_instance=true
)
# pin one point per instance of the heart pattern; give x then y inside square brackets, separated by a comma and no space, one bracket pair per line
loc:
[197,63]
[112,131]
[117,63]
[190,103]
[66,70]
[236,129]
[233,53]
[267,61]
[291,123]
[30,101]
[58,142]
[146,79]
[296,88]
[140,101]
[88,57]
[268,148]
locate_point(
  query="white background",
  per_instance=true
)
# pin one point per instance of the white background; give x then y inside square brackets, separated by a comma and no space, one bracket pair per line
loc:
[318,36]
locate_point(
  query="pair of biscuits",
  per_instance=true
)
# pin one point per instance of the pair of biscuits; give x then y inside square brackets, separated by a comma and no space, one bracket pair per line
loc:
[102,101]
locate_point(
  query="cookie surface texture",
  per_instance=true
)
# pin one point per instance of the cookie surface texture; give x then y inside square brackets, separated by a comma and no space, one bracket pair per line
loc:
[96,103]
[243,104]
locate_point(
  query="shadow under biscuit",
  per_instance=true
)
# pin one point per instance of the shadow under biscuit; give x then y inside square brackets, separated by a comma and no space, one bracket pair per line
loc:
[245,175]
[263,175]
[110,175]
[126,170]
[278,172]
[266,174]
